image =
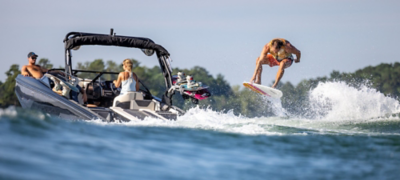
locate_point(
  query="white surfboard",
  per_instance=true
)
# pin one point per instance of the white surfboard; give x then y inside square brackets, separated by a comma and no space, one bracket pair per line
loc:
[264,90]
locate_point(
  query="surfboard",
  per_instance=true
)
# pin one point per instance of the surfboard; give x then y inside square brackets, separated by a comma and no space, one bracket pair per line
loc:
[264,90]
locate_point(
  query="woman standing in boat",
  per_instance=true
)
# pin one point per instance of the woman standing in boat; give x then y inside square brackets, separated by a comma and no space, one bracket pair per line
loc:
[128,79]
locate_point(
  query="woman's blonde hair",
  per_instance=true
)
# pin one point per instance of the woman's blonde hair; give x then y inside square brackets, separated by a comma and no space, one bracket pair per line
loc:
[128,64]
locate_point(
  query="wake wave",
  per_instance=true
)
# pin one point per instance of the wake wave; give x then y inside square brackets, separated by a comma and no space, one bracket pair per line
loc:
[337,108]
[207,119]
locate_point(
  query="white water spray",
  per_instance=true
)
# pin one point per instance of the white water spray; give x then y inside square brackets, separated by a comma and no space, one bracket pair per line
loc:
[276,106]
[339,101]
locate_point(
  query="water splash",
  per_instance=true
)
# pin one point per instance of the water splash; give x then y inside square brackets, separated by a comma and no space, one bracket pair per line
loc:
[339,101]
[276,106]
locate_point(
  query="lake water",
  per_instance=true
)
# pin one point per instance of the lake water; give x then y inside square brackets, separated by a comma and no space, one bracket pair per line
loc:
[353,134]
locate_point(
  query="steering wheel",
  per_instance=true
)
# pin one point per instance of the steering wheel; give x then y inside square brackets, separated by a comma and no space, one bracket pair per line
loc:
[114,89]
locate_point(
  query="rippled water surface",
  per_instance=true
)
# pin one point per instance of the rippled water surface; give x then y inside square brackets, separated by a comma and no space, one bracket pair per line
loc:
[337,143]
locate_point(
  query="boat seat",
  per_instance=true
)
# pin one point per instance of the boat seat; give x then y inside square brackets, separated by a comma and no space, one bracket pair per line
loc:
[134,100]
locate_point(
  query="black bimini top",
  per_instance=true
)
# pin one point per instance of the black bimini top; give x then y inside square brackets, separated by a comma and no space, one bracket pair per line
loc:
[75,39]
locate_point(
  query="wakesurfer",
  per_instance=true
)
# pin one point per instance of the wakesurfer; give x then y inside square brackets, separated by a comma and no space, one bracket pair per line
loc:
[278,52]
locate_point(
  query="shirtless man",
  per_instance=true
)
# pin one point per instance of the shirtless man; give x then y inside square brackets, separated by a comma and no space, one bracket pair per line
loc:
[37,72]
[32,69]
[278,52]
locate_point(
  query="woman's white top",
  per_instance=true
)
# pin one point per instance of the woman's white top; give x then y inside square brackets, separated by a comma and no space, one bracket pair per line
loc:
[128,85]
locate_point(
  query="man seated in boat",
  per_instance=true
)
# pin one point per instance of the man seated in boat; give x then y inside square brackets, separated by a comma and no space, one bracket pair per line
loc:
[36,71]
[128,79]
[32,69]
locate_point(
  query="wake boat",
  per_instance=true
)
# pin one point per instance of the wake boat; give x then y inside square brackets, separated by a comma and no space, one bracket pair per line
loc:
[57,94]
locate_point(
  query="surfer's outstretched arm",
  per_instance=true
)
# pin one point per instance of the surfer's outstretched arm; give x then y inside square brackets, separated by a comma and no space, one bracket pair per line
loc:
[260,61]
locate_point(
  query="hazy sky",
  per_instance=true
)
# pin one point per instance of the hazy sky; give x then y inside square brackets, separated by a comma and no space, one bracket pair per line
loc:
[225,37]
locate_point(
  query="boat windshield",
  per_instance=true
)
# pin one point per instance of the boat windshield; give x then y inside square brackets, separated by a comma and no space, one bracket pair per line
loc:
[93,75]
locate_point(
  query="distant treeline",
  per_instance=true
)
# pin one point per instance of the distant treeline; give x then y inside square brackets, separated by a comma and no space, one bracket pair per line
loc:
[384,78]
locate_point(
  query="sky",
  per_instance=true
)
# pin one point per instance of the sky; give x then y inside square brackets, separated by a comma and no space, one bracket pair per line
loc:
[225,37]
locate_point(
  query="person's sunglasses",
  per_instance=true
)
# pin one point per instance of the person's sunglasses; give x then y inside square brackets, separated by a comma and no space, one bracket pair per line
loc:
[34,57]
